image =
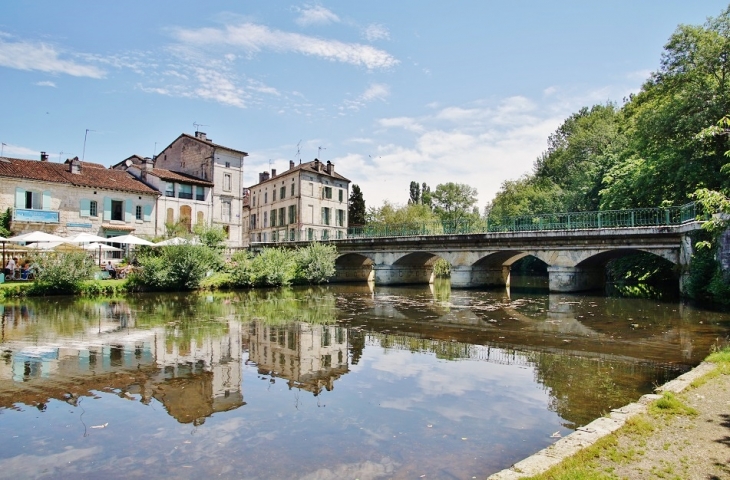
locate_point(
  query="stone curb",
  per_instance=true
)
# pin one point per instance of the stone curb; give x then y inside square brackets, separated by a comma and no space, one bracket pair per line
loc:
[589,434]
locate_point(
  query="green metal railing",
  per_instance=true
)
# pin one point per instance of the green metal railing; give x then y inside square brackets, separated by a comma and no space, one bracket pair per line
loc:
[639,217]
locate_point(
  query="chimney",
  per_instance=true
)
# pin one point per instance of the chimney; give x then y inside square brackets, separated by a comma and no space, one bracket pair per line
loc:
[316,164]
[263,176]
[147,166]
[74,166]
[330,168]
[44,157]
[291,164]
[201,136]
[273,172]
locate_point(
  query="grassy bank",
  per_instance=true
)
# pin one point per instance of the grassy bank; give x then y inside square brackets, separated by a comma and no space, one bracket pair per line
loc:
[87,288]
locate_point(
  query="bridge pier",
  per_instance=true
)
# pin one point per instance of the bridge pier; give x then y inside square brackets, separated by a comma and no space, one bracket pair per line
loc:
[575,279]
[470,276]
[402,275]
[353,274]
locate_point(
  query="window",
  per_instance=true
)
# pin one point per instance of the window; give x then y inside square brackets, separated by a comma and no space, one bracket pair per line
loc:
[340,218]
[226,211]
[310,234]
[228,164]
[327,192]
[340,194]
[185,191]
[254,201]
[282,192]
[281,217]
[274,235]
[117,210]
[93,208]
[266,198]
[273,217]
[311,189]
[291,235]
[340,234]
[33,200]
[138,212]
[273,196]
[325,216]
[227,182]
[266,220]
[170,189]
[325,234]
[199,193]
[253,221]
[292,214]
[292,188]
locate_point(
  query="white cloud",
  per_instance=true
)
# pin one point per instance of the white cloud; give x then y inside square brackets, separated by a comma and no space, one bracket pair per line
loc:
[43,58]
[406,123]
[253,38]
[18,151]
[376,31]
[46,84]
[376,91]
[315,15]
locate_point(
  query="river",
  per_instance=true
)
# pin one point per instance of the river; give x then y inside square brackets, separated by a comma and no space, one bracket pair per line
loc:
[324,383]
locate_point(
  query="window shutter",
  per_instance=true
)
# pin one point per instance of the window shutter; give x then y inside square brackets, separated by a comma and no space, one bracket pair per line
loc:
[107,208]
[19,197]
[46,200]
[321,218]
[147,213]
[128,211]
[85,208]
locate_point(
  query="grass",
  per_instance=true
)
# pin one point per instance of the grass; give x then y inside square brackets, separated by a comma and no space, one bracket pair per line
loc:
[88,288]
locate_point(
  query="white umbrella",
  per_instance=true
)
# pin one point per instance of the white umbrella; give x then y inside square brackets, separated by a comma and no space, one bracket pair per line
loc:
[130,240]
[177,241]
[36,236]
[86,238]
[101,247]
[57,246]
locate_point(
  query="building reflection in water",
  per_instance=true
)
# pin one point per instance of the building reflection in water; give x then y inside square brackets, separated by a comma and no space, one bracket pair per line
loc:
[309,356]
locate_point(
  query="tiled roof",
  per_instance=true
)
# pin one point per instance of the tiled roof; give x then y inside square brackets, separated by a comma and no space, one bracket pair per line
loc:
[309,168]
[171,176]
[86,164]
[205,142]
[90,176]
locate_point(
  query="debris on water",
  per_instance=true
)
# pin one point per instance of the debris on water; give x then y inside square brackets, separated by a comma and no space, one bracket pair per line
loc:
[100,426]
[556,435]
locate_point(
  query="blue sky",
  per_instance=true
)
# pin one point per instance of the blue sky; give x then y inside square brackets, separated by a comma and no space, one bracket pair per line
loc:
[459,91]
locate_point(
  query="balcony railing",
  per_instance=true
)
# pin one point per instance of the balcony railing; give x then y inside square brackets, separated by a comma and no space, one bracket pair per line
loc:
[187,196]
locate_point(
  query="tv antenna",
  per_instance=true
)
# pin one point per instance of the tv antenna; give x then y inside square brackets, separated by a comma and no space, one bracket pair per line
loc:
[2,149]
[59,156]
[299,151]
[198,125]
[83,153]
[319,152]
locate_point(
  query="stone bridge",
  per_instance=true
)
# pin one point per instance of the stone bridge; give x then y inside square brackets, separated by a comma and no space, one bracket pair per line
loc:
[576,259]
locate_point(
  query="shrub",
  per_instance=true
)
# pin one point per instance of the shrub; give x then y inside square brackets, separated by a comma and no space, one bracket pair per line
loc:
[442,268]
[176,267]
[58,273]
[273,267]
[315,263]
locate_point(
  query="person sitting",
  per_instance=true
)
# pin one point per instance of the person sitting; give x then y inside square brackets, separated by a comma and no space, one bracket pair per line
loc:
[25,271]
[112,271]
[10,268]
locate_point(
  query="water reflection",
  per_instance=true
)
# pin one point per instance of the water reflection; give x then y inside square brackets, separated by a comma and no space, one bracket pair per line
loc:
[429,365]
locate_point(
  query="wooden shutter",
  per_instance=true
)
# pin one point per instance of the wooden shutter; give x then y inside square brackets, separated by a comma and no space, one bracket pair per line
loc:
[147,213]
[46,205]
[19,197]
[128,211]
[84,208]
[107,208]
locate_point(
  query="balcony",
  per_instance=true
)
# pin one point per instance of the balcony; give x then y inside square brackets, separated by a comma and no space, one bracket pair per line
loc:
[36,216]
[185,195]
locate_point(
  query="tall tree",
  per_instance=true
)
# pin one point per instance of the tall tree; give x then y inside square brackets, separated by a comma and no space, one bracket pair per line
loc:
[426,197]
[415,190]
[356,208]
[391,214]
[454,201]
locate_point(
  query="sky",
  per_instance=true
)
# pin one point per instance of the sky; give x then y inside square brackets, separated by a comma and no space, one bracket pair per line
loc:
[390,92]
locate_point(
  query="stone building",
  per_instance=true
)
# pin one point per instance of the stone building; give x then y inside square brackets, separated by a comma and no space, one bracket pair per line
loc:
[191,157]
[306,202]
[74,197]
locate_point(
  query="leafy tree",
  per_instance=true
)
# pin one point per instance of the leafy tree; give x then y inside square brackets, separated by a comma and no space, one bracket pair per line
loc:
[454,201]
[5,219]
[212,237]
[527,195]
[315,263]
[356,207]
[426,197]
[415,196]
[58,273]
[392,214]
[175,267]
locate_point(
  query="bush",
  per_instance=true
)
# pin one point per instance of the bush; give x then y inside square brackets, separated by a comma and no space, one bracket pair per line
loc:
[59,273]
[315,263]
[175,267]
[273,267]
[442,268]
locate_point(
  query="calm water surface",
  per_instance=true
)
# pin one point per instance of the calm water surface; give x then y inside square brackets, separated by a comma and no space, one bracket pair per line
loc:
[335,382]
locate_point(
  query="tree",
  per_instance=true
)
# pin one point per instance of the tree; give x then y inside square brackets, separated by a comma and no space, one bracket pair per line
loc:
[454,201]
[415,197]
[356,207]
[5,221]
[391,214]
[426,197]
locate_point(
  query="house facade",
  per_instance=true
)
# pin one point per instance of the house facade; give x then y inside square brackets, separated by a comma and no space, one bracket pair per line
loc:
[307,202]
[193,161]
[74,197]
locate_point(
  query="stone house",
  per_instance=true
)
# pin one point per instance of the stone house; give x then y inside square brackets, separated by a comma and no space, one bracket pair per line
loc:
[74,197]
[191,157]
[306,202]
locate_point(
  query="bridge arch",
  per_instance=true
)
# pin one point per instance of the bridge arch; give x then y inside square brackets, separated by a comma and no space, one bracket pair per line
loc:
[353,267]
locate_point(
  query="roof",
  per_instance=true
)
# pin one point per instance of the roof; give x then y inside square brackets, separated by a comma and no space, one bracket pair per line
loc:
[135,159]
[309,168]
[85,164]
[90,176]
[169,175]
[205,142]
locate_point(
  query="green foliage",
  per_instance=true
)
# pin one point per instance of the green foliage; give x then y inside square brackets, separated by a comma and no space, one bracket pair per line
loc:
[426,195]
[527,195]
[442,268]
[217,281]
[212,237]
[391,214]
[415,193]
[273,267]
[356,207]
[61,273]
[6,218]
[669,404]
[175,267]
[454,202]
[315,263]
[177,229]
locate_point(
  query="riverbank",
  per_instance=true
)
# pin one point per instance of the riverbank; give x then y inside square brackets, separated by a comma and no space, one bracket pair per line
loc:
[682,432]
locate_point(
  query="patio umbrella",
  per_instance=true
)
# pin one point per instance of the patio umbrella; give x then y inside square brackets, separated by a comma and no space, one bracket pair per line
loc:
[36,236]
[176,241]
[86,238]
[55,246]
[130,240]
